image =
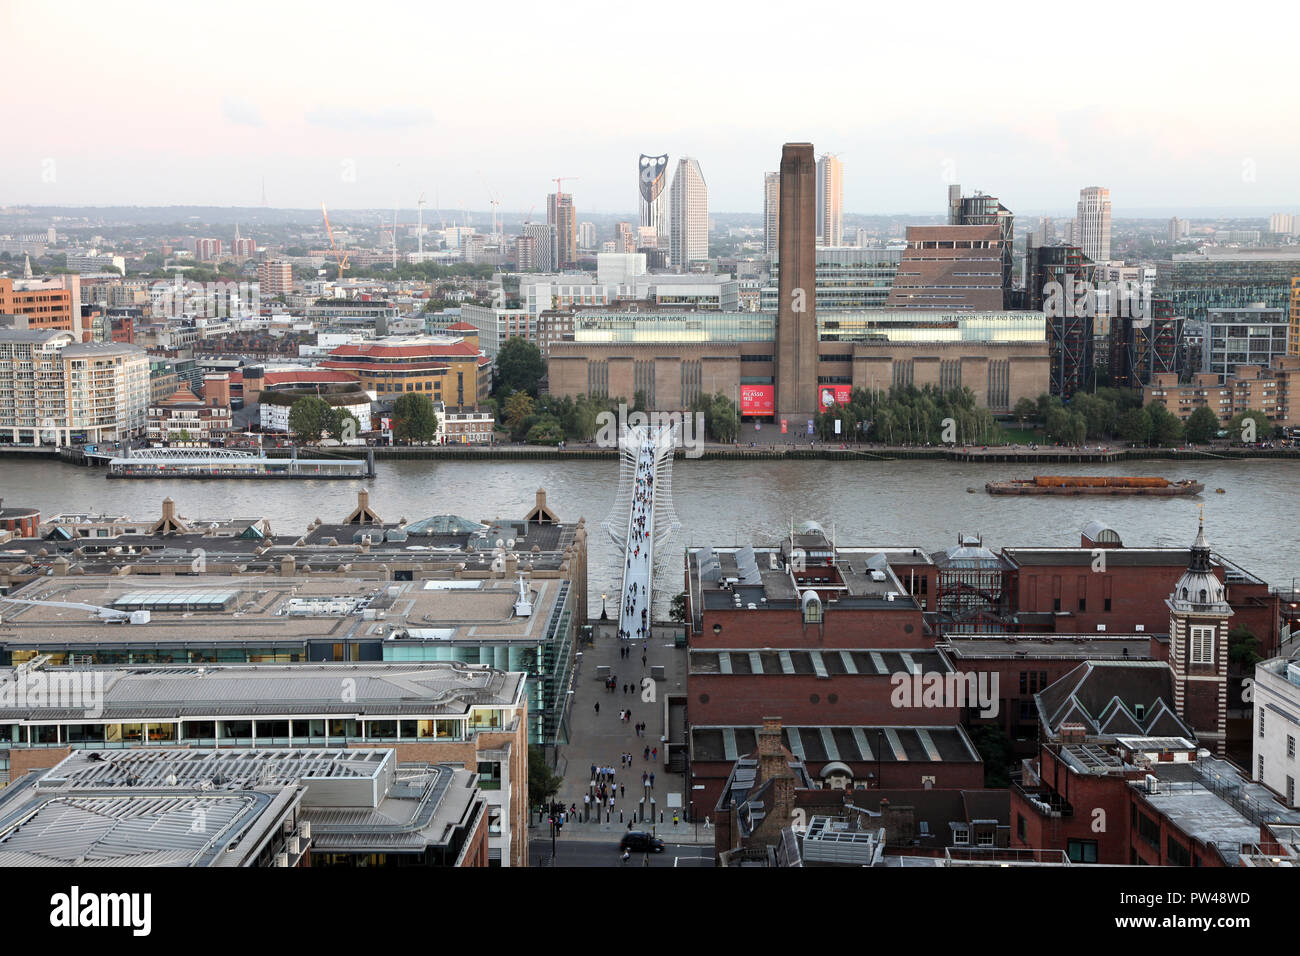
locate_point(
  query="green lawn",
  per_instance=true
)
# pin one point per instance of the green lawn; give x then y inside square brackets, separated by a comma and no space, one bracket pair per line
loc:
[1020,436]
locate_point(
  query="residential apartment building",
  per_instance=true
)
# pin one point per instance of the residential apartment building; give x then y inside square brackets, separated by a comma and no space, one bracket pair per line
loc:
[688,203]
[1267,389]
[53,388]
[830,201]
[1293,336]
[275,277]
[561,214]
[1253,335]
[771,215]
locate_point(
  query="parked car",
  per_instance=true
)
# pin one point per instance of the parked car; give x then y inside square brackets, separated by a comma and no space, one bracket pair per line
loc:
[641,841]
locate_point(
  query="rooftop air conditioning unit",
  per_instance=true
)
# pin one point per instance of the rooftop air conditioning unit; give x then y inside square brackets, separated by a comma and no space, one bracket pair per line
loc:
[1152,783]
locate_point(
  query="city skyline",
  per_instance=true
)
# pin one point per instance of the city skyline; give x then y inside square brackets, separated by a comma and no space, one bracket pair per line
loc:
[290,126]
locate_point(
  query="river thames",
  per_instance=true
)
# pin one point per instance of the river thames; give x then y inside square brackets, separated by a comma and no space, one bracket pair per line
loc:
[921,504]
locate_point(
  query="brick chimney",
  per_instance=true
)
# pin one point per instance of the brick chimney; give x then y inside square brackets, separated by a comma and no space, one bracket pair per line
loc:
[772,762]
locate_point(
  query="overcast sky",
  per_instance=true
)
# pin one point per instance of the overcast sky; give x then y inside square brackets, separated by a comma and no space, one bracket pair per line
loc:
[369,104]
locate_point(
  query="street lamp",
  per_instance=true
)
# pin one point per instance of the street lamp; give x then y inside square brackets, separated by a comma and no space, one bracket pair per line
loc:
[604,615]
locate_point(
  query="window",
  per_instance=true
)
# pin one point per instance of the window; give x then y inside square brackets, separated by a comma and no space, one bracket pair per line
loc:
[1082,851]
[960,835]
[1290,790]
[1176,854]
[1290,747]
[984,837]
[1201,643]
[1261,723]
[1022,828]
[1106,604]
[1083,604]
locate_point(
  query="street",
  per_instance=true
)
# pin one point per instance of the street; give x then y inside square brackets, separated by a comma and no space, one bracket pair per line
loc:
[606,853]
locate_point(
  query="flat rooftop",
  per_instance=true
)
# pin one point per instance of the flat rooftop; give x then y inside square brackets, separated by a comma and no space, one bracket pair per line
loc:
[441,688]
[137,807]
[188,610]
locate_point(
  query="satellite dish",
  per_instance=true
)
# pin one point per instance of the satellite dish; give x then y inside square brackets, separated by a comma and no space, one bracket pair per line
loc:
[510,543]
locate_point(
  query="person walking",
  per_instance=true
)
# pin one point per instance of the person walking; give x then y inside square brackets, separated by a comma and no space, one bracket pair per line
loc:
[598,707]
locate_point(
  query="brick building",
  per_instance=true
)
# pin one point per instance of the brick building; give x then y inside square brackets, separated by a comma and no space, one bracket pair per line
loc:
[1143,801]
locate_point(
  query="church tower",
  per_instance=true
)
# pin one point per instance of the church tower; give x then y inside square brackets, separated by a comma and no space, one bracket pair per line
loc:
[1198,647]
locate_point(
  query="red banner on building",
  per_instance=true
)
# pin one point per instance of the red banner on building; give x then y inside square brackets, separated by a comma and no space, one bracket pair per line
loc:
[757,400]
[834,395]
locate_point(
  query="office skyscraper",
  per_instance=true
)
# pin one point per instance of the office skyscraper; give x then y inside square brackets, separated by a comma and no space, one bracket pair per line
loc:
[1092,223]
[561,214]
[652,177]
[830,201]
[771,214]
[689,207]
[796,314]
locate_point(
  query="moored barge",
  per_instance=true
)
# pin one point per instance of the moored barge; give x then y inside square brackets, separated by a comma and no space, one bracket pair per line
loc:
[1095,485]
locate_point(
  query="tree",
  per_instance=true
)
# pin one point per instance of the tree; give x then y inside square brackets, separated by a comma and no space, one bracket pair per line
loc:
[1243,647]
[677,610]
[543,782]
[1166,427]
[546,431]
[414,418]
[1259,429]
[309,417]
[520,367]
[518,408]
[720,416]
[1059,425]
[343,425]
[1025,409]
[1202,425]
[1134,425]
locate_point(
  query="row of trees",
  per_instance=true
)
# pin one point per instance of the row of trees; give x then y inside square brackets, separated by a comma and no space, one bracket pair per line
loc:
[1113,413]
[911,415]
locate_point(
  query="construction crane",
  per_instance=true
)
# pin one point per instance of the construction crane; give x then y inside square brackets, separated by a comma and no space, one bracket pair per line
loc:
[559,183]
[340,258]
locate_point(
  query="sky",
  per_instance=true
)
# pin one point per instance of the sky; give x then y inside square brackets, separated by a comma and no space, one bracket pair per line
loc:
[368,105]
